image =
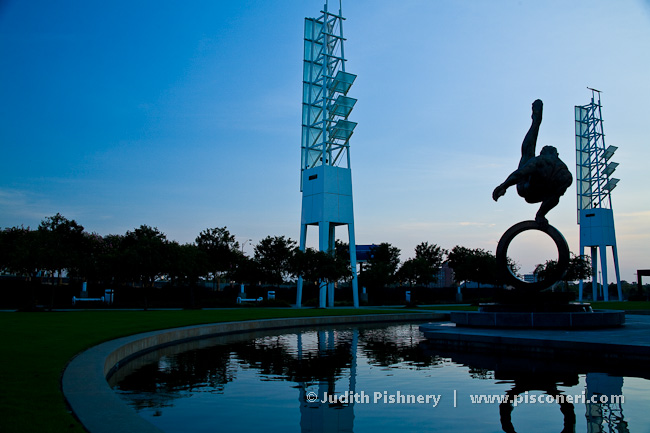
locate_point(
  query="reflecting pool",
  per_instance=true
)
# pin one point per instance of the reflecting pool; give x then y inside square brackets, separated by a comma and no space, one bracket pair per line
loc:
[370,379]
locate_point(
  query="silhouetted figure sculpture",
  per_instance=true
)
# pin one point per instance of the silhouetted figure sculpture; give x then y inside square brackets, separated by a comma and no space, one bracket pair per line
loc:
[539,179]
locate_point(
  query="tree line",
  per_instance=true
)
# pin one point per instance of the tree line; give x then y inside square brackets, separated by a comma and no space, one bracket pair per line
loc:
[62,247]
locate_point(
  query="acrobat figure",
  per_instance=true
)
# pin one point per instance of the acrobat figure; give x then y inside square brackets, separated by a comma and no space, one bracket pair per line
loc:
[539,179]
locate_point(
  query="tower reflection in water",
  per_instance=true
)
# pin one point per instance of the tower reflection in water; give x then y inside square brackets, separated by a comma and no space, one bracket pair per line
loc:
[543,377]
[317,416]
[383,347]
[605,416]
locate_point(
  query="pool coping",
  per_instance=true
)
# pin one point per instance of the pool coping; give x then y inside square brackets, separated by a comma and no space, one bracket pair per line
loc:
[100,409]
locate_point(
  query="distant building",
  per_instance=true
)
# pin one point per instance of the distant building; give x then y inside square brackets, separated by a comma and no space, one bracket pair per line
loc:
[445,277]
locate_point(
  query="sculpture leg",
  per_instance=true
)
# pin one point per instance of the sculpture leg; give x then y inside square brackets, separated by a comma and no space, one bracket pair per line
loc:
[530,140]
[544,208]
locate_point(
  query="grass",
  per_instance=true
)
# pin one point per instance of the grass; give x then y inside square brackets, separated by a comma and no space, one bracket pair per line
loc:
[36,348]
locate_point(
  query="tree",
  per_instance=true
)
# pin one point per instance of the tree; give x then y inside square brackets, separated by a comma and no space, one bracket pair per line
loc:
[273,256]
[18,248]
[423,268]
[145,254]
[247,271]
[113,264]
[221,250]
[91,254]
[475,265]
[185,265]
[18,255]
[381,268]
[61,243]
[61,246]
[320,266]
[579,269]
[408,272]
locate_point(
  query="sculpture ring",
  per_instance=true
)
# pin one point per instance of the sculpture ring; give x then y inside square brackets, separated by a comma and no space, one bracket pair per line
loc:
[505,273]
[567,409]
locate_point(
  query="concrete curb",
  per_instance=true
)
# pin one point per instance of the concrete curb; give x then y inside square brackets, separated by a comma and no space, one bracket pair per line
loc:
[101,410]
[539,320]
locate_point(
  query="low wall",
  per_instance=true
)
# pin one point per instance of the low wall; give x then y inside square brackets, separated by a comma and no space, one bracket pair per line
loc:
[100,409]
[539,320]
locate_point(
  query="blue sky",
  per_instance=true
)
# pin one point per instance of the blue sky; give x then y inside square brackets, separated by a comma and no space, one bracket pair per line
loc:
[186,115]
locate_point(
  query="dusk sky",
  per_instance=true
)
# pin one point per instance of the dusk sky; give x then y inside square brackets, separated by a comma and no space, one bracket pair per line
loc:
[186,116]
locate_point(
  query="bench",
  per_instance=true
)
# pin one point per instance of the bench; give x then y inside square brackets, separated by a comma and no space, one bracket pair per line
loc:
[240,299]
[75,299]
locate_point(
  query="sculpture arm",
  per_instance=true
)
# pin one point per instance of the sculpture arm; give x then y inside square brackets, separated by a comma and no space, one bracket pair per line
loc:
[514,178]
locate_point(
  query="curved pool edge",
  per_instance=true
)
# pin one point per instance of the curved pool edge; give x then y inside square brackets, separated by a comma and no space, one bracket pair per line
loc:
[100,409]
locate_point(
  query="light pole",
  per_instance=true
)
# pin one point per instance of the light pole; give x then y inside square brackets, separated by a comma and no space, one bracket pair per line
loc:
[244,244]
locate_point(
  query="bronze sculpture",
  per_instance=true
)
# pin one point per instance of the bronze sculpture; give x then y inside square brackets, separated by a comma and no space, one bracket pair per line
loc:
[540,179]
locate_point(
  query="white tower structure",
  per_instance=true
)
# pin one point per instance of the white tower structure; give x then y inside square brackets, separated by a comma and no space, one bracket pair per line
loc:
[325,173]
[594,186]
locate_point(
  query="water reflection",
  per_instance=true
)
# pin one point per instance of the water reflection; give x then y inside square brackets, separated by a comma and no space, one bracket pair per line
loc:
[318,416]
[333,362]
[601,396]
[550,389]
[604,416]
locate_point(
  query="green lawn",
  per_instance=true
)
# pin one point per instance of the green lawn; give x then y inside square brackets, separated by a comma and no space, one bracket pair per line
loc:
[37,346]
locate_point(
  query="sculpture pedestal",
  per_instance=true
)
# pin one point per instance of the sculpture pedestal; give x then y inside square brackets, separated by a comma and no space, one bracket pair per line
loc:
[528,305]
[539,320]
[522,301]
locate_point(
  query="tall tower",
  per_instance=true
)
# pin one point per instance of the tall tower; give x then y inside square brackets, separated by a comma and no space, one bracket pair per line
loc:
[594,186]
[325,173]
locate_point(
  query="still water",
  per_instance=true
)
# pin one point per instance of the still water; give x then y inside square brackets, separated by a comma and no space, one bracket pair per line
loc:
[374,378]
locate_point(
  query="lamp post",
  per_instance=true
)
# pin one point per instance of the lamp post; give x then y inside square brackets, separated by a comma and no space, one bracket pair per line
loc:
[244,244]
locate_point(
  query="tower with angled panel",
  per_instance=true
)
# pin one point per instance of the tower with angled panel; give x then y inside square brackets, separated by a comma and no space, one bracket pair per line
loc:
[325,170]
[595,183]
